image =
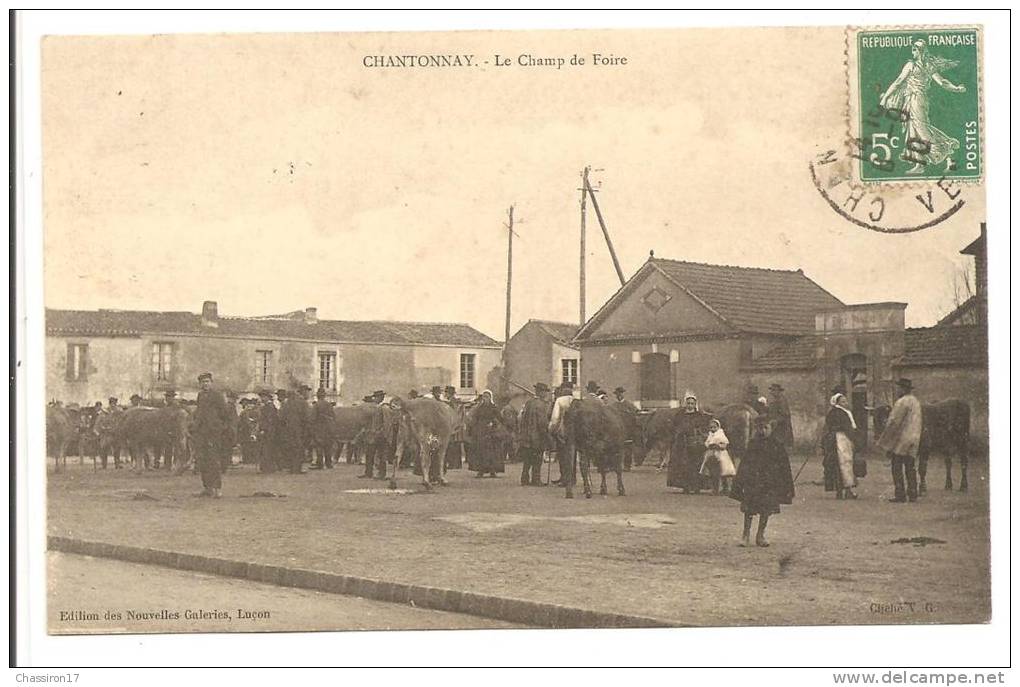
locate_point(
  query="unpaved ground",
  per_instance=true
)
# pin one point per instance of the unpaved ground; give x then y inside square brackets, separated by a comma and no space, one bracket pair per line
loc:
[653,552]
[166,600]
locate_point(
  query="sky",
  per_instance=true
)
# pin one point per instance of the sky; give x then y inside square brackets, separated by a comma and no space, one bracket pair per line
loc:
[273,172]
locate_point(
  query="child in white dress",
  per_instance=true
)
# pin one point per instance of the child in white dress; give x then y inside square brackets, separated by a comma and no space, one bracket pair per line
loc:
[717,463]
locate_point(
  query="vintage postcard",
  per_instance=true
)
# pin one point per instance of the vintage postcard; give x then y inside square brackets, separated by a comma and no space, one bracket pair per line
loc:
[516,329]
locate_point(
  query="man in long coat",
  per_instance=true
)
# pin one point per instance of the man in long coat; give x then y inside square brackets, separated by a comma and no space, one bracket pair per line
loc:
[901,439]
[211,422]
[533,435]
[690,429]
[382,433]
[293,421]
[778,411]
[629,414]
[248,431]
[323,425]
[268,420]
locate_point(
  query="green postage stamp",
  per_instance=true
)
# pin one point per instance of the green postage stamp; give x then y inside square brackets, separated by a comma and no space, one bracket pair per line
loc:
[915,104]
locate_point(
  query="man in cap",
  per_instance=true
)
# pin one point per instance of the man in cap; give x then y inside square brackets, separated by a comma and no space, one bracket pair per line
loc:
[412,394]
[212,421]
[136,400]
[901,440]
[106,427]
[267,421]
[629,414]
[293,423]
[323,426]
[779,414]
[533,435]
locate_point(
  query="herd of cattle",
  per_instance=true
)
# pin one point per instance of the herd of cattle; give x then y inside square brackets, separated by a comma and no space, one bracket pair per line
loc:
[430,430]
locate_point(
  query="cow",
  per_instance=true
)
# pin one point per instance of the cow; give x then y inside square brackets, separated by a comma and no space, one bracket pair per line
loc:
[61,430]
[945,429]
[633,432]
[597,434]
[657,433]
[108,437]
[735,420]
[157,429]
[426,425]
[349,428]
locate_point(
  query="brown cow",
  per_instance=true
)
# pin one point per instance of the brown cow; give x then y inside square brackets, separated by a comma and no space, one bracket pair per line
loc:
[427,425]
[154,429]
[597,434]
[349,429]
[61,430]
[945,429]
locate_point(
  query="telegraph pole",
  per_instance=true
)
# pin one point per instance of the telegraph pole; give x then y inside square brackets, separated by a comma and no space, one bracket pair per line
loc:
[584,193]
[509,272]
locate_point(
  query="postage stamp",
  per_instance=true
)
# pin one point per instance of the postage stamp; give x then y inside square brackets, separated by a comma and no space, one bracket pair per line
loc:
[915,104]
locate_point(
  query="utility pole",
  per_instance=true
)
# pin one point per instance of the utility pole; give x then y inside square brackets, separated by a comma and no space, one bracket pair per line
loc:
[509,273]
[605,232]
[584,192]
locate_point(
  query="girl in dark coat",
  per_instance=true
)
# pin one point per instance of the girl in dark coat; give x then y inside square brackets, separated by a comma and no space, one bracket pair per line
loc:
[764,480]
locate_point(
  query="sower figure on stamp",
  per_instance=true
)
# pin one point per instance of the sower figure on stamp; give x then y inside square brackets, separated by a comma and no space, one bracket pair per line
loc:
[909,95]
[533,435]
[901,440]
[211,422]
[764,480]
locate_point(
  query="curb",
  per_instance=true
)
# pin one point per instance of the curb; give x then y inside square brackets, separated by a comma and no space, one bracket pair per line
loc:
[518,611]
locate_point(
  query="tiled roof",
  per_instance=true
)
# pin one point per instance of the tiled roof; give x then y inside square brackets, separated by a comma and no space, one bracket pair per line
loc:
[748,299]
[753,299]
[961,310]
[136,322]
[799,354]
[946,346]
[962,345]
[562,332]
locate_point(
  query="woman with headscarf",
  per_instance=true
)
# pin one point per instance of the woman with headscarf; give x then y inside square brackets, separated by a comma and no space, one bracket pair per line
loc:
[690,429]
[838,448]
[489,437]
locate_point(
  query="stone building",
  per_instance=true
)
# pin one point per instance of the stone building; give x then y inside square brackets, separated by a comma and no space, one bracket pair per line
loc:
[91,355]
[541,351]
[726,333]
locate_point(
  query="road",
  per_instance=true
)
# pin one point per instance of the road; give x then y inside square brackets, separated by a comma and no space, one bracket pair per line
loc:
[90,592]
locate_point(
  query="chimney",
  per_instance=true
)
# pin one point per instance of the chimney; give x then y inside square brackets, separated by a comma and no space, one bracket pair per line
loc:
[311,315]
[210,317]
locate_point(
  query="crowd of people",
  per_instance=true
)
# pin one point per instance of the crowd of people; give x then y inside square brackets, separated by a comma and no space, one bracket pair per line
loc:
[281,431]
